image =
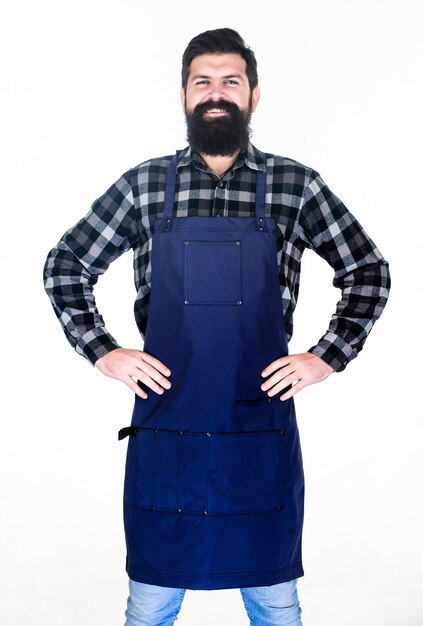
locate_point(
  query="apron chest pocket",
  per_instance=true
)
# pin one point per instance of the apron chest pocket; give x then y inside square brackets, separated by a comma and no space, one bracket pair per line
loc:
[212,272]
[213,473]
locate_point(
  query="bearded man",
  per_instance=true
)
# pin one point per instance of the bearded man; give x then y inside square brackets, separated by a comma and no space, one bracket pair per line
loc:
[214,485]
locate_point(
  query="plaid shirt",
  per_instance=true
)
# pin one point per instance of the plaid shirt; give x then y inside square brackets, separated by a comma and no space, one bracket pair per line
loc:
[307,214]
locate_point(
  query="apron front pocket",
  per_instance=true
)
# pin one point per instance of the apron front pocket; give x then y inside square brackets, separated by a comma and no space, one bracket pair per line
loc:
[245,472]
[157,469]
[171,470]
[212,473]
[250,415]
[212,272]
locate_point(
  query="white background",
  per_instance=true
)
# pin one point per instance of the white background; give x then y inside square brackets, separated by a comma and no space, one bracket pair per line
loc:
[91,88]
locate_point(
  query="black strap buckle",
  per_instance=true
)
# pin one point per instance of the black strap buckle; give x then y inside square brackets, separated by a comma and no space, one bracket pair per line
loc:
[128,431]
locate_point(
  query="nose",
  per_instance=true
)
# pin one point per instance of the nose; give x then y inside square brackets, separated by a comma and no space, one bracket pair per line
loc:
[216,91]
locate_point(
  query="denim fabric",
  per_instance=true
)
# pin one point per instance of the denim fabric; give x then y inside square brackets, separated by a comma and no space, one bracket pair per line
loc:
[150,605]
[277,604]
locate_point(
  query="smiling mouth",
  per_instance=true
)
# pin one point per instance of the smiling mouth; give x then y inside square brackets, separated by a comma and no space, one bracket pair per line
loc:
[216,111]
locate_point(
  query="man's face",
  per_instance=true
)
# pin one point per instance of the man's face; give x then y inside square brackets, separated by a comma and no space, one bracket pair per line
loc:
[218,104]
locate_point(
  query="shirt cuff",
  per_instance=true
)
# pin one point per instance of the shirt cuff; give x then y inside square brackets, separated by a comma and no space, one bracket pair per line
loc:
[96,343]
[334,351]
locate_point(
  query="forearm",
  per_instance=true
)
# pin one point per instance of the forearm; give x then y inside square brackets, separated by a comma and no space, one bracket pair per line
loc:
[69,286]
[84,253]
[364,294]
[361,272]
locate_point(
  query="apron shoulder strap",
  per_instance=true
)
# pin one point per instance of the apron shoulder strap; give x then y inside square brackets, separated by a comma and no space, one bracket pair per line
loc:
[170,188]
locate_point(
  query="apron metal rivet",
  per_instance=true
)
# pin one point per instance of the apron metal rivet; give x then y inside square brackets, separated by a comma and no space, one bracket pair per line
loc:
[179,510]
[208,434]
[282,432]
[205,513]
[180,432]
[239,302]
[186,243]
[238,243]
[186,302]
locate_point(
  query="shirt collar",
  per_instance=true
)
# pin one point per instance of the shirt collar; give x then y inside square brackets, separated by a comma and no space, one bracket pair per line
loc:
[252,158]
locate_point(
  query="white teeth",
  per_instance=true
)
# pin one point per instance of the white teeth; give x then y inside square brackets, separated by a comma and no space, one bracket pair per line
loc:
[215,110]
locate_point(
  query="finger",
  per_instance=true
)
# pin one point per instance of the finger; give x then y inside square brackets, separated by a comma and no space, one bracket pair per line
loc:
[135,388]
[279,376]
[294,390]
[275,365]
[292,379]
[153,374]
[158,365]
[149,382]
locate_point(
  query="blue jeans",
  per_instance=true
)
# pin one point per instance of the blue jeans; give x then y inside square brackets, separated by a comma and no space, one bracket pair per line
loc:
[149,605]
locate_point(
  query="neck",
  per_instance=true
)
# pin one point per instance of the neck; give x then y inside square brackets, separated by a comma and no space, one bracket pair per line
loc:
[220,164]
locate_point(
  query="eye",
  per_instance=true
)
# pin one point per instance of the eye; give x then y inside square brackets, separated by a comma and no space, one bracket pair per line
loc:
[203,81]
[232,81]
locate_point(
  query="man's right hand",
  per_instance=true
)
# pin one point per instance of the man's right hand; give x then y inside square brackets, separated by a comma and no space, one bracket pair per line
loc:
[131,366]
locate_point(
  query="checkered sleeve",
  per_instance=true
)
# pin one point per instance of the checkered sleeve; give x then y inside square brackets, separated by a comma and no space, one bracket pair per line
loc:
[84,252]
[361,272]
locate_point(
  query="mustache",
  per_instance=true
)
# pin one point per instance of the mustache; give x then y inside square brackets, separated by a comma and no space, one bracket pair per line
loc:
[224,105]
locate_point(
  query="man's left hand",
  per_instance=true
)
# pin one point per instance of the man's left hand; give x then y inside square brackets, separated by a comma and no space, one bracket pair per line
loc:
[298,370]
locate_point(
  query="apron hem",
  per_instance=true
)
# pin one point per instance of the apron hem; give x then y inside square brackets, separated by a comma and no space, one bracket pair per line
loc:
[214,581]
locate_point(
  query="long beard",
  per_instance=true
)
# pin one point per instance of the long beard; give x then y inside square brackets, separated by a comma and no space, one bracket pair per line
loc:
[222,136]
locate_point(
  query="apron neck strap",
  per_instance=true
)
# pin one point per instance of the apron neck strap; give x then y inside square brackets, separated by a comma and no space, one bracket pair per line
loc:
[171,186]
[261,190]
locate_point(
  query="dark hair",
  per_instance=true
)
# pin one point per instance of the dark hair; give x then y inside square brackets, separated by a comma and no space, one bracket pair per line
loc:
[219,41]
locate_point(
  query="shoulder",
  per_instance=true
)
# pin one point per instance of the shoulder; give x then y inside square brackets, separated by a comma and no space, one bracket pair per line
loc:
[289,170]
[150,176]
[146,170]
[285,170]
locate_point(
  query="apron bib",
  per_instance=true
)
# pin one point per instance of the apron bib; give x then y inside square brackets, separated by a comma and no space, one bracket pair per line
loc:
[214,483]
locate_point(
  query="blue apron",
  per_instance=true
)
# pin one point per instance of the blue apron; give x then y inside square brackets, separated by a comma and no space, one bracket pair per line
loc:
[214,483]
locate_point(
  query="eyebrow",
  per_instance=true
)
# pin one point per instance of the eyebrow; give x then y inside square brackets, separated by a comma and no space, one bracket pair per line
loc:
[196,76]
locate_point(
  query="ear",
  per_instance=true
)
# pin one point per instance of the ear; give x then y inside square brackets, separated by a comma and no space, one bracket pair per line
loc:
[182,93]
[255,97]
